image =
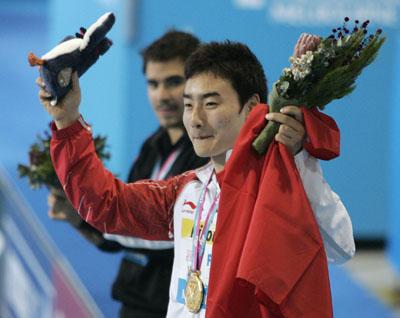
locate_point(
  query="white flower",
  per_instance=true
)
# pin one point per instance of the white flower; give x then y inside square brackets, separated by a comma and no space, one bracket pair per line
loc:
[304,73]
[284,87]
[296,74]
[308,57]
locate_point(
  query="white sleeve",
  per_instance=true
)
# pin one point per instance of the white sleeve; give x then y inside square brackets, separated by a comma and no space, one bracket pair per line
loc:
[332,217]
[135,242]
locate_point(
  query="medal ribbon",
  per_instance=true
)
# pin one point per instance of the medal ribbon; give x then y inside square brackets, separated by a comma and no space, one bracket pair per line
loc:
[199,241]
[160,173]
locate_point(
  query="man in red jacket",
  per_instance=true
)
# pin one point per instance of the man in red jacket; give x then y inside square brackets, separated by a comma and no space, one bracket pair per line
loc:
[223,254]
[142,284]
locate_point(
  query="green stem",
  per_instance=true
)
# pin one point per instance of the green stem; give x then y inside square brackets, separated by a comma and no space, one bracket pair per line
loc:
[276,102]
[262,142]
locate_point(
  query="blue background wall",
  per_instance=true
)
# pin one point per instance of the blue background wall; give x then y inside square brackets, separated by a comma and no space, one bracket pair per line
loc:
[394,184]
[115,103]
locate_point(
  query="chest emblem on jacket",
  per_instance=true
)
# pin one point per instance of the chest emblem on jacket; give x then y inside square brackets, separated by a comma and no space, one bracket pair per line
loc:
[188,207]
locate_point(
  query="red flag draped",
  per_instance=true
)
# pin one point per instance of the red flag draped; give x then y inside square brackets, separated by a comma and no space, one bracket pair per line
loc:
[268,256]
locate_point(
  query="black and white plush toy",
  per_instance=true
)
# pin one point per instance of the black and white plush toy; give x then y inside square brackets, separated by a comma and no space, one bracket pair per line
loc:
[73,54]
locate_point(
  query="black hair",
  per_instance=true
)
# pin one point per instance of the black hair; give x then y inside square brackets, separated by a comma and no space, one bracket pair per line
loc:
[173,44]
[233,61]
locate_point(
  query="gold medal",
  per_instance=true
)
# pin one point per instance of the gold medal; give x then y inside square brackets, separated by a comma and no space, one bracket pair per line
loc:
[194,292]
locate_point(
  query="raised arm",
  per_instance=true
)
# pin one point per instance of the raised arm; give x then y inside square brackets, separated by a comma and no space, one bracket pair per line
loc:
[331,215]
[143,209]
[333,220]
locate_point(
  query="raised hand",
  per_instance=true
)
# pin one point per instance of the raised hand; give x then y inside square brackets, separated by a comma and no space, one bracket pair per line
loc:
[66,111]
[291,131]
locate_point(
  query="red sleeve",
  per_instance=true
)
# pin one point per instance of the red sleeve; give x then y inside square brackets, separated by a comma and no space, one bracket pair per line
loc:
[323,134]
[143,209]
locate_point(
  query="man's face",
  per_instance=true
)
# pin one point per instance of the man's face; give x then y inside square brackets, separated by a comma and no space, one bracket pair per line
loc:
[211,114]
[165,85]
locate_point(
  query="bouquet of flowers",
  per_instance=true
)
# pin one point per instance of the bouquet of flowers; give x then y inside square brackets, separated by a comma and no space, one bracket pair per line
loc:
[40,170]
[321,70]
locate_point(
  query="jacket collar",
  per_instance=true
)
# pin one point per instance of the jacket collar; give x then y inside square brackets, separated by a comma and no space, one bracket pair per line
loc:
[203,173]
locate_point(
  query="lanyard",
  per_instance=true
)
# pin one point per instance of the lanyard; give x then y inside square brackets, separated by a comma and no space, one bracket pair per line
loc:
[159,173]
[199,241]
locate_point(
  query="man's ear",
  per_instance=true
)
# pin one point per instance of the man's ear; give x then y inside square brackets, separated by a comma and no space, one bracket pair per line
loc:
[251,102]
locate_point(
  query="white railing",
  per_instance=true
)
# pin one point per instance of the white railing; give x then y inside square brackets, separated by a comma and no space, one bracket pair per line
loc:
[36,280]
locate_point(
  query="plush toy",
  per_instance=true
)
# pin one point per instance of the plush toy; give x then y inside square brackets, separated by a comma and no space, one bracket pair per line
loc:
[73,54]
